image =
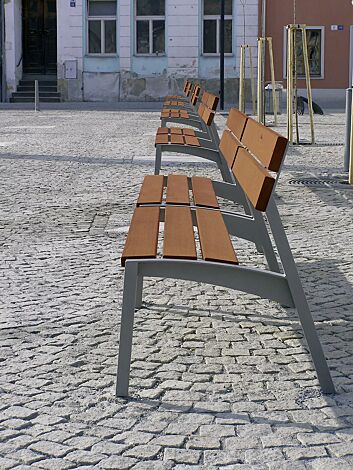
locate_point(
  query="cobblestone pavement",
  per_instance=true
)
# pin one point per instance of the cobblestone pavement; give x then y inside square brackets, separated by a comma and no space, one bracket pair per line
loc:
[219,379]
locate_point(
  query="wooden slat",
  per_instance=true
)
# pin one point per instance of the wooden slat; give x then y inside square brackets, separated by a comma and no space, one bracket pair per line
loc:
[176,130]
[184,114]
[195,95]
[212,102]
[204,98]
[177,139]
[214,238]
[255,180]
[236,122]
[186,85]
[203,192]
[268,146]
[162,130]
[201,110]
[229,147]
[179,240]
[177,190]
[151,190]
[193,141]
[142,238]
[189,132]
[208,116]
[162,139]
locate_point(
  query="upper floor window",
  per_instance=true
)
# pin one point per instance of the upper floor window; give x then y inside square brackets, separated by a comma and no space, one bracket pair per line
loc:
[212,26]
[150,27]
[102,18]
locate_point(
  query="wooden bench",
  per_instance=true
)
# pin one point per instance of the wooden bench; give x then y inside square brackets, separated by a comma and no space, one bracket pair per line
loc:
[202,142]
[185,204]
[186,90]
[189,102]
[189,116]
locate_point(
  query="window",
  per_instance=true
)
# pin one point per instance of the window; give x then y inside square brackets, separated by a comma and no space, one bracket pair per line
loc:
[314,36]
[150,27]
[314,39]
[212,26]
[102,26]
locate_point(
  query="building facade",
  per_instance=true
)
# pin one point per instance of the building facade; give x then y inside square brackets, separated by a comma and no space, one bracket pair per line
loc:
[122,50]
[330,43]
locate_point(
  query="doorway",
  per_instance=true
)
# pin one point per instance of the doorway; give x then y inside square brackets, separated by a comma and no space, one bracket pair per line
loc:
[39,37]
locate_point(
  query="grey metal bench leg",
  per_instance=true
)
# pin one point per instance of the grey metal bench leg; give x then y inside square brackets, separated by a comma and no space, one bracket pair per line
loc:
[131,288]
[266,247]
[158,161]
[299,299]
[139,290]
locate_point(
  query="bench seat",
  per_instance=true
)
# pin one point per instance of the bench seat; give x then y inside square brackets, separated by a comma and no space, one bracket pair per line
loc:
[180,190]
[179,235]
[178,103]
[174,113]
[174,97]
[176,135]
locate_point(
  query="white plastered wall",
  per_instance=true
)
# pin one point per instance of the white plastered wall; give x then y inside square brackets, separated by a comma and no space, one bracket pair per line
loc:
[70,47]
[251,30]
[13,44]
[125,34]
[183,37]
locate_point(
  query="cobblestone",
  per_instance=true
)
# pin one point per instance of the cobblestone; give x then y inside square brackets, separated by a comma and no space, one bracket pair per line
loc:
[219,379]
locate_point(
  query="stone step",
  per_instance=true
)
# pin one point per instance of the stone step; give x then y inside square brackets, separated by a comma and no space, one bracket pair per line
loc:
[30,94]
[28,99]
[21,88]
[28,82]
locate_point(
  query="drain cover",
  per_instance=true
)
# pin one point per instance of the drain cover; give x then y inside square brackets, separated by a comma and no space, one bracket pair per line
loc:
[325,183]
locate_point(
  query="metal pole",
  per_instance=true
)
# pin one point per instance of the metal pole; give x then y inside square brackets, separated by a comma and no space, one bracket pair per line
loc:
[348,128]
[36,96]
[221,50]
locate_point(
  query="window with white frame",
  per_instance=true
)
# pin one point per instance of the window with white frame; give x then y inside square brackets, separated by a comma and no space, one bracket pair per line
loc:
[150,27]
[102,20]
[212,27]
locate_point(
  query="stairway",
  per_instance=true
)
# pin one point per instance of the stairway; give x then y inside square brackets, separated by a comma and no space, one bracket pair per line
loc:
[48,90]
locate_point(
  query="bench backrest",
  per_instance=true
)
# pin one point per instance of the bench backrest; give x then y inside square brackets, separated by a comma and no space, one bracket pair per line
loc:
[185,85]
[195,94]
[207,108]
[188,89]
[252,152]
